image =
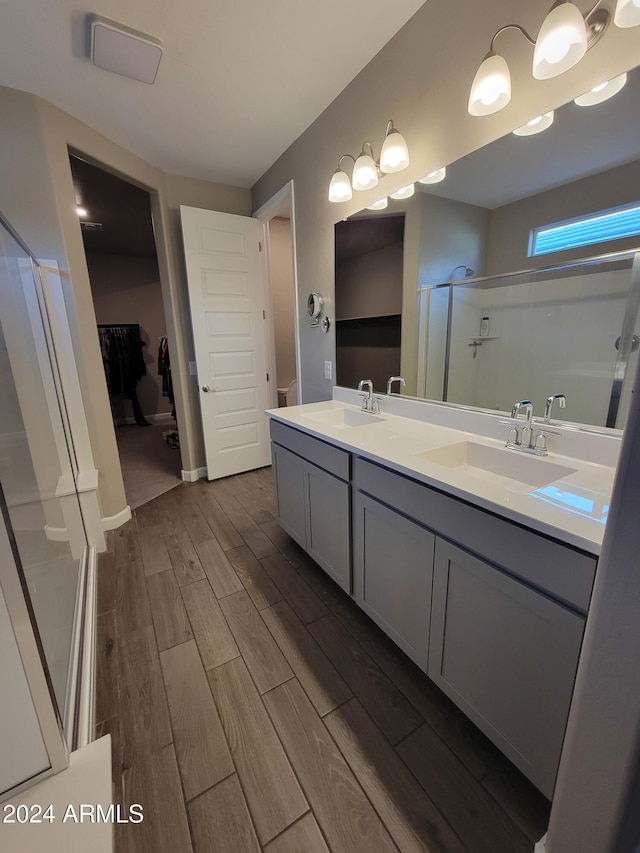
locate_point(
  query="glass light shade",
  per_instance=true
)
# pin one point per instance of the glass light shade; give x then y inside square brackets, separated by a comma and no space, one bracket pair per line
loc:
[379,205]
[627,13]
[561,43]
[365,173]
[340,187]
[394,156]
[602,92]
[536,125]
[434,177]
[404,192]
[491,87]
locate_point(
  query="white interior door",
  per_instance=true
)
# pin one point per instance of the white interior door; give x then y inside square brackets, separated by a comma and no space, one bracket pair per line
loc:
[227,297]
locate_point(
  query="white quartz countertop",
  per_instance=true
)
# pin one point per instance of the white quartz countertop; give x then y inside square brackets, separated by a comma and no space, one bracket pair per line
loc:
[561,496]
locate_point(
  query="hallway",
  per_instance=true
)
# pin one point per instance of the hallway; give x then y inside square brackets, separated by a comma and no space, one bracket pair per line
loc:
[253,706]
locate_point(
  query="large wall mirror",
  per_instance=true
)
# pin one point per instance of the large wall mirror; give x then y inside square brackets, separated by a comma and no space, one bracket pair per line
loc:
[433,286]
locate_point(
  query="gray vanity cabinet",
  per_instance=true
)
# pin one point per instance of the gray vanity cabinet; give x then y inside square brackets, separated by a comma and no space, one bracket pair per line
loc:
[392,574]
[313,498]
[506,655]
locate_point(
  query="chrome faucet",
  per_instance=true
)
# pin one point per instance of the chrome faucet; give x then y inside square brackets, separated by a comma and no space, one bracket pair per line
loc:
[529,441]
[562,402]
[393,379]
[369,403]
[527,432]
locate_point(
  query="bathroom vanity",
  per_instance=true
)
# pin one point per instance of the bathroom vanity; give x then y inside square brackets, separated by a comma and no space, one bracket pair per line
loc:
[476,560]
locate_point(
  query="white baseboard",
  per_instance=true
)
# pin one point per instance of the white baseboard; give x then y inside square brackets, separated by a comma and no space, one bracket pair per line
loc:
[193,476]
[110,522]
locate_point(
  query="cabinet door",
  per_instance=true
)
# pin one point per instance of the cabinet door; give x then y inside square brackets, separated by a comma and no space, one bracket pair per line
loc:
[288,481]
[507,656]
[393,570]
[328,524]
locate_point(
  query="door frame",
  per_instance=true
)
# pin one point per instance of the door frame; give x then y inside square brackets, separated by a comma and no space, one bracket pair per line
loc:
[281,202]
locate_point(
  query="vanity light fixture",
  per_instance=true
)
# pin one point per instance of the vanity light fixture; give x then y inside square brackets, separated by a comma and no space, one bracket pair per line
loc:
[394,157]
[434,177]
[565,36]
[627,13]
[536,125]
[81,212]
[602,92]
[404,192]
[381,204]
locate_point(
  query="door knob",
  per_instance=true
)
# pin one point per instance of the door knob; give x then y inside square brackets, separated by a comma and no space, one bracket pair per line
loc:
[206,389]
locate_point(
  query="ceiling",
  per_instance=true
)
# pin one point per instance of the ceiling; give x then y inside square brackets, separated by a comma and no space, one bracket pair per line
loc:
[239,80]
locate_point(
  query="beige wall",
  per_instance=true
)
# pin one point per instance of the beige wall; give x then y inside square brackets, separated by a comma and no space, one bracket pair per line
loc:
[36,189]
[421,80]
[511,224]
[282,302]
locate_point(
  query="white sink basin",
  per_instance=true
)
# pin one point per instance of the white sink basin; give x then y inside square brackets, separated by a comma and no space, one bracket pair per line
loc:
[343,417]
[513,465]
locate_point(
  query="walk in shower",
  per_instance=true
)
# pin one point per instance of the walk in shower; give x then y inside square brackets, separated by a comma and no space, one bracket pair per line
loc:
[38,477]
[570,329]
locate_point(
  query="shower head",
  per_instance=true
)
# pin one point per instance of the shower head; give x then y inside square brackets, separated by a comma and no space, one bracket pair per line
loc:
[468,272]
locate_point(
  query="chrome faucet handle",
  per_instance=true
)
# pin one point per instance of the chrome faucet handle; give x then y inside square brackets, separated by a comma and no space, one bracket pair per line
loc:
[393,379]
[562,402]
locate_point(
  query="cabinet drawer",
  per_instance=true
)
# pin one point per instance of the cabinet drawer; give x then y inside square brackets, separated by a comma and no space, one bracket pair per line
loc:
[332,459]
[563,572]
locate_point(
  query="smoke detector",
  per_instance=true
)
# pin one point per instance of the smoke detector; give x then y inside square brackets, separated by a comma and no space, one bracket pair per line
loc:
[124,51]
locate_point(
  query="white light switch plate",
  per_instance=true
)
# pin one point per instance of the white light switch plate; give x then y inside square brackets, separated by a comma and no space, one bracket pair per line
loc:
[327,370]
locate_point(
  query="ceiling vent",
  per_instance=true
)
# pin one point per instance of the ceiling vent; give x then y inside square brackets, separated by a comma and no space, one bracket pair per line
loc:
[91,226]
[124,51]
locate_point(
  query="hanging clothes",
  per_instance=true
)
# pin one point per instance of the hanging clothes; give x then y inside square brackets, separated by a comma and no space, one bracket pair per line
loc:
[123,359]
[164,370]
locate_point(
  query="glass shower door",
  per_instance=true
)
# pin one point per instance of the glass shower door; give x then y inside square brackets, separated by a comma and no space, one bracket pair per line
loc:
[38,468]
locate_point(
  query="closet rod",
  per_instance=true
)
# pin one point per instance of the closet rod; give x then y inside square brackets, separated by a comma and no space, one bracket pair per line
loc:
[118,325]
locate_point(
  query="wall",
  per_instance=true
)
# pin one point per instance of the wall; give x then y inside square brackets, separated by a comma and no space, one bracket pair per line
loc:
[36,189]
[126,289]
[282,299]
[411,81]
[511,224]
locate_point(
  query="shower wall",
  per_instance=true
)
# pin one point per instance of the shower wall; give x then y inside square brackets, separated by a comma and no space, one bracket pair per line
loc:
[555,335]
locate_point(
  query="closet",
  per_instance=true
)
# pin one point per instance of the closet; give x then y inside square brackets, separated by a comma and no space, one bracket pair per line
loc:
[119,244]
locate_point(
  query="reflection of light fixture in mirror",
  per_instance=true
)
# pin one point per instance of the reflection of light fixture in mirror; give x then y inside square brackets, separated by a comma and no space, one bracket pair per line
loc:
[536,125]
[434,177]
[565,36]
[404,192]
[379,205]
[394,157]
[602,92]
[627,13]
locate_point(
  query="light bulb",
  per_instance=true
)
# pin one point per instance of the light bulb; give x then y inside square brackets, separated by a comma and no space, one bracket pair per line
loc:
[561,43]
[627,13]
[340,187]
[394,156]
[365,173]
[491,87]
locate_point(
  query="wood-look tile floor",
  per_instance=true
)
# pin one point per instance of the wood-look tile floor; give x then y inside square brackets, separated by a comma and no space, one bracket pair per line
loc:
[253,706]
